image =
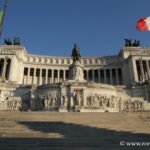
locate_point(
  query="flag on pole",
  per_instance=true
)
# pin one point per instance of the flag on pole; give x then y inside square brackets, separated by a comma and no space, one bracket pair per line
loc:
[1,20]
[143,24]
[2,15]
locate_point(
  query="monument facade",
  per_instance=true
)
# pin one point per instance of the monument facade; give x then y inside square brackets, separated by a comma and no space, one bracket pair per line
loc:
[77,83]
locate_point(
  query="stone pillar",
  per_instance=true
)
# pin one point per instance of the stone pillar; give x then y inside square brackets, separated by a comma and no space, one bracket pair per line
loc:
[64,75]
[142,71]
[34,76]
[46,76]
[28,76]
[99,76]
[148,68]
[87,75]
[105,79]
[40,77]
[52,76]
[4,69]
[58,76]
[111,80]
[117,78]
[93,75]
[134,74]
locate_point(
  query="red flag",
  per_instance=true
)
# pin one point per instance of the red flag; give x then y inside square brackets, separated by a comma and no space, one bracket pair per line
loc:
[143,24]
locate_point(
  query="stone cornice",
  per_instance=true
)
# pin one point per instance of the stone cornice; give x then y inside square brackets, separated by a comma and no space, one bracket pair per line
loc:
[61,60]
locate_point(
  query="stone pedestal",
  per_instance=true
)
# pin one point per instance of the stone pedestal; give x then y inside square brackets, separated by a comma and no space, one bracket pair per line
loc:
[76,71]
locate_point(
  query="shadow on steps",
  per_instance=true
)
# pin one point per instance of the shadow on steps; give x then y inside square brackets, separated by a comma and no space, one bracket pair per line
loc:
[72,136]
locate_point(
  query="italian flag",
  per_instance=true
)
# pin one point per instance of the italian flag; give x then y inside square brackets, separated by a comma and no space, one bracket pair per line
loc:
[143,24]
[1,20]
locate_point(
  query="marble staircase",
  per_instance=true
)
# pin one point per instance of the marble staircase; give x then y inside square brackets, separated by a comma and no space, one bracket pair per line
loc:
[72,131]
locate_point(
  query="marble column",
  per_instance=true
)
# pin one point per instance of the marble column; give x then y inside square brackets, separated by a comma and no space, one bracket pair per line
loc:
[148,68]
[58,76]
[46,76]
[134,73]
[52,76]
[87,75]
[111,80]
[142,71]
[64,74]
[93,75]
[105,78]
[40,77]
[117,78]
[4,69]
[34,76]
[99,76]
[28,76]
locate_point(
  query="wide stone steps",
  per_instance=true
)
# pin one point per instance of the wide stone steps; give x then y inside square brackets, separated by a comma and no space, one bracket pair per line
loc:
[71,131]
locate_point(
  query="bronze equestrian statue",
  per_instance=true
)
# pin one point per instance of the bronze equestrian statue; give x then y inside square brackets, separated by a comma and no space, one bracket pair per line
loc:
[129,43]
[76,53]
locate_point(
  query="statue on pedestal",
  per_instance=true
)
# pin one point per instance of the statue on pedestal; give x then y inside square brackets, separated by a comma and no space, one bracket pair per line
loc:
[76,53]
[76,68]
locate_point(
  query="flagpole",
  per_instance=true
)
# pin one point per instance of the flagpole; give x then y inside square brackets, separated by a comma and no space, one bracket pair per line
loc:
[4,9]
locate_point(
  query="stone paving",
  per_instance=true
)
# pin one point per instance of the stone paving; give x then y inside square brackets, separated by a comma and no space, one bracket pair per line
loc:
[73,131]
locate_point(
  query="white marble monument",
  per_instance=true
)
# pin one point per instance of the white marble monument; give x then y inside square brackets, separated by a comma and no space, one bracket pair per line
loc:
[85,84]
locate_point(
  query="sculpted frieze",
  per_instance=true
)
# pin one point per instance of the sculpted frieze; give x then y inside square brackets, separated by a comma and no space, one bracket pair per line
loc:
[145,52]
[140,51]
[8,51]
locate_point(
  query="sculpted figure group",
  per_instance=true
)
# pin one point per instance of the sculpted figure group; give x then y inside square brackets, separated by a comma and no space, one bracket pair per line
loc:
[45,102]
[14,105]
[133,105]
[105,101]
[99,101]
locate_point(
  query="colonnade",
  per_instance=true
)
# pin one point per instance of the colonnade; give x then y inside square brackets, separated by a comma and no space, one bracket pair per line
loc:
[45,76]
[143,69]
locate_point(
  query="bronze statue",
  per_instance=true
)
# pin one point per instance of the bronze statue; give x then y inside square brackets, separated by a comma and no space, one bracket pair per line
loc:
[136,43]
[129,43]
[76,53]
[16,41]
[7,41]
